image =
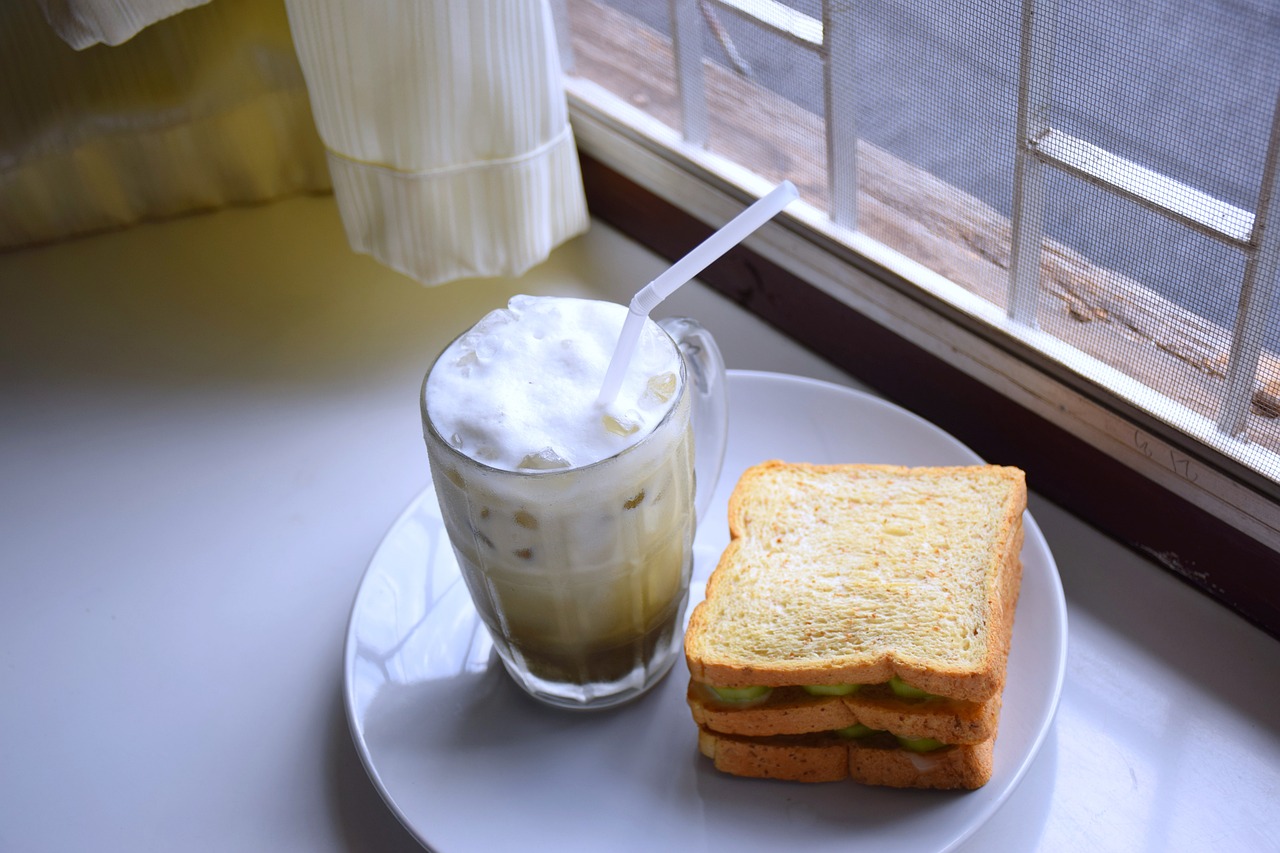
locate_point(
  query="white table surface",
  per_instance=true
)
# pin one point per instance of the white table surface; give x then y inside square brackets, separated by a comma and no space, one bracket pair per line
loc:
[208,424]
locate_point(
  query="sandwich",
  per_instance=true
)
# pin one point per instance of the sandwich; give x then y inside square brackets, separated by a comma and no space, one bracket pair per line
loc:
[858,624]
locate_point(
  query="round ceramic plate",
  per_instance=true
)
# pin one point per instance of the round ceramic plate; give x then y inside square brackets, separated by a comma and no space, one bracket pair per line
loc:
[469,763]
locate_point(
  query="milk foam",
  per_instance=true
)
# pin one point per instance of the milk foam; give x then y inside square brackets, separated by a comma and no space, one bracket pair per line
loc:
[518,391]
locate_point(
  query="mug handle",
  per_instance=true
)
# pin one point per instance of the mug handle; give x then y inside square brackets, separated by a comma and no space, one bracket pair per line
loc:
[709,384]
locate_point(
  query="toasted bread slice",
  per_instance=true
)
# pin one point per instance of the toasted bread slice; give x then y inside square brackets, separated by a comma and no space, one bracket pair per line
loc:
[841,574]
[828,758]
[790,711]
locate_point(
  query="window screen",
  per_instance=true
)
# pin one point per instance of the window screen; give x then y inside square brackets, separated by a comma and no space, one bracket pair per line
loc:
[1098,172]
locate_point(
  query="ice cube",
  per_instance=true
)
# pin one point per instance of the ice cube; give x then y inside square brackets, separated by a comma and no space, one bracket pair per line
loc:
[545,459]
[624,425]
[464,361]
[659,388]
[492,320]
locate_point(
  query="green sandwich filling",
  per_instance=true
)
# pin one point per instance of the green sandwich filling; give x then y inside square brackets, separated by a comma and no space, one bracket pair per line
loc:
[755,694]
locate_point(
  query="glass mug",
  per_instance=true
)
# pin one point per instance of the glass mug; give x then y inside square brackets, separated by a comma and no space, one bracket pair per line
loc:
[581,575]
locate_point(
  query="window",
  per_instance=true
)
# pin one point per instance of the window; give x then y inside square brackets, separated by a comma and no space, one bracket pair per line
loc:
[1042,225]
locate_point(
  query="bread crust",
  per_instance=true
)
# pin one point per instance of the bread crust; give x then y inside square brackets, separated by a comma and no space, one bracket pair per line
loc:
[793,761]
[977,682]
[820,758]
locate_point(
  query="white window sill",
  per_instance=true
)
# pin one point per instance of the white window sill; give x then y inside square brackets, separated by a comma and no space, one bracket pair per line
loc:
[209,425]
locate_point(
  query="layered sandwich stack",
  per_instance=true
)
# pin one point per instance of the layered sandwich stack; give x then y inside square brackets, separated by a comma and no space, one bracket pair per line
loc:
[858,624]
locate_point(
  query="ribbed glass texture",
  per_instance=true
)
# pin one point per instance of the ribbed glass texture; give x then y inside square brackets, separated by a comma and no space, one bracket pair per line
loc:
[581,575]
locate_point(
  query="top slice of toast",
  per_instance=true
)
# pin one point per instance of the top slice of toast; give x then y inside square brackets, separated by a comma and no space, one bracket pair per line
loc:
[857,573]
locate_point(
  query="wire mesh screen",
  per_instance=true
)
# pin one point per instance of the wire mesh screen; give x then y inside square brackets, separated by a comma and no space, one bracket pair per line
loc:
[1108,165]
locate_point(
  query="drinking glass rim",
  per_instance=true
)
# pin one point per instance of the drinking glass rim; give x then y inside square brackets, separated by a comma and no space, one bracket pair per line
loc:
[550,472]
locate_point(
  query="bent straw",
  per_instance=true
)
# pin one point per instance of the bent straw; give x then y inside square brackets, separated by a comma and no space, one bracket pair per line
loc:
[647,298]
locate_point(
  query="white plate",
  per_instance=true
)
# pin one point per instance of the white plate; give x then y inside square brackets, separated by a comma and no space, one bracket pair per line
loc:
[469,763]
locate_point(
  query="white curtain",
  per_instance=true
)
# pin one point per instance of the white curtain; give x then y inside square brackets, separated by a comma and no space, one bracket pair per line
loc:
[83,23]
[201,110]
[446,129]
[442,123]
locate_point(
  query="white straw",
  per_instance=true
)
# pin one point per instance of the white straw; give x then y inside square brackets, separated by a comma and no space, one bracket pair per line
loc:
[734,232]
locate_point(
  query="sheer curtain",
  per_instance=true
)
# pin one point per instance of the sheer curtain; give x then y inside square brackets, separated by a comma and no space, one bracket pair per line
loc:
[440,126]
[201,110]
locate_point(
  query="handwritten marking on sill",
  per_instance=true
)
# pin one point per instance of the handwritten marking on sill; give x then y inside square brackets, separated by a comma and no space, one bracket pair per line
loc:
[1177,463]
[1174,563]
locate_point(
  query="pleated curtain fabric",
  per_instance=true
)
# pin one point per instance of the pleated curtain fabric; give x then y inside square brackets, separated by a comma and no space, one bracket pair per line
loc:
[446,131]
[83,23]
[443,123]
[202,109]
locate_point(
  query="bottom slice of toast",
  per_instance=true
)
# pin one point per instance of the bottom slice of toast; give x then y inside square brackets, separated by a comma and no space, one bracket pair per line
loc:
[828,758]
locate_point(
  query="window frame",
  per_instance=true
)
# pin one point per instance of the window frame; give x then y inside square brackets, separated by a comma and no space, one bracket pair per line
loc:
[1198,513]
